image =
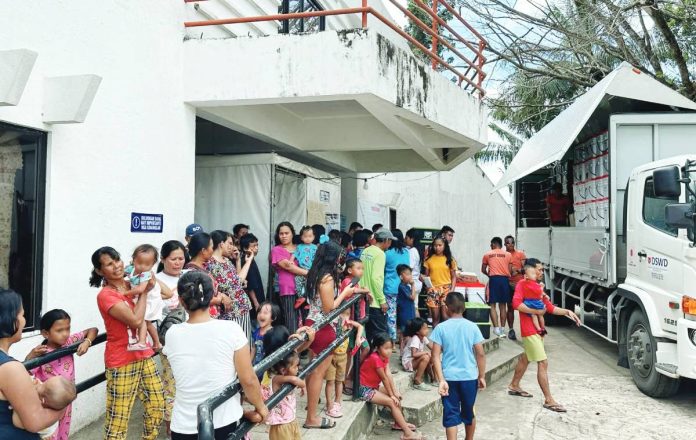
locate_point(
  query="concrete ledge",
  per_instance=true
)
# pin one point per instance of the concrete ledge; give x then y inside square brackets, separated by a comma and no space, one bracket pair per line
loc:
[15,68]
[67,99]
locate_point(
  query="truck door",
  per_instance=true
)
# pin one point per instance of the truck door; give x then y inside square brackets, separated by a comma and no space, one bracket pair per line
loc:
[655,250]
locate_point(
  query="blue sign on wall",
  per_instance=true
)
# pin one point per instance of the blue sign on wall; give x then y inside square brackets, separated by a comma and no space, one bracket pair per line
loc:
[146,222]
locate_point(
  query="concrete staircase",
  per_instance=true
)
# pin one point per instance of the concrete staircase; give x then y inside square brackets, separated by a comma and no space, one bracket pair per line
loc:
[420,407]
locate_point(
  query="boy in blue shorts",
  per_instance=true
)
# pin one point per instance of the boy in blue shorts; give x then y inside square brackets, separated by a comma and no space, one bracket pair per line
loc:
[462,369]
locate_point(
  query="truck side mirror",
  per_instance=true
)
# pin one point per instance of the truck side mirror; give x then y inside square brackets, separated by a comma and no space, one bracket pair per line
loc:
[679,215]
[667,182]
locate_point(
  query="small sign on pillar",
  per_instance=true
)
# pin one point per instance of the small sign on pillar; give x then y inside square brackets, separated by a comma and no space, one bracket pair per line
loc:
[141,222]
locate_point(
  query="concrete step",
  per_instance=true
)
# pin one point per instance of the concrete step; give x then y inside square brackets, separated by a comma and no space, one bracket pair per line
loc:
[420,407]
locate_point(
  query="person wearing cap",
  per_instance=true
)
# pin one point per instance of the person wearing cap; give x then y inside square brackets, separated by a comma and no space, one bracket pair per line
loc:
[374,261]
[191,230]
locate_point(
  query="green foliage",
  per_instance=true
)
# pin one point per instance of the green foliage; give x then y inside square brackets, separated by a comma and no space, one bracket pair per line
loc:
[422,36]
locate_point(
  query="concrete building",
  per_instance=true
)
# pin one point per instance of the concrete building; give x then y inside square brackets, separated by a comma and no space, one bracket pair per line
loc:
[107,107]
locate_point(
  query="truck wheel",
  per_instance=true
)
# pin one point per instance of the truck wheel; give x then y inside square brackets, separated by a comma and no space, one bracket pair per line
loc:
[641,348]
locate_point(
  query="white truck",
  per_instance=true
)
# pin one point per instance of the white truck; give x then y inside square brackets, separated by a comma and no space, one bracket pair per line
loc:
[625,154]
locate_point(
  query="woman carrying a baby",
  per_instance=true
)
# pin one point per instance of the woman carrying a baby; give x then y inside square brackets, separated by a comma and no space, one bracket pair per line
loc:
[17,390]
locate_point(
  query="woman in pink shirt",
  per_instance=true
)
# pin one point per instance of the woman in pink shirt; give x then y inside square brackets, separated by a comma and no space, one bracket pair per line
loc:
[286,267]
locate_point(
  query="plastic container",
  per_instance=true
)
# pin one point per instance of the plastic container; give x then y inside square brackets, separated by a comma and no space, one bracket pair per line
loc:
[477,312]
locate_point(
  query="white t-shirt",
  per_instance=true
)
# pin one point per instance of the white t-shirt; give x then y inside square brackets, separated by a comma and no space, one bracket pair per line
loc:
[413,342]
[202,360]
[415,264]
[171,282]
[155,304]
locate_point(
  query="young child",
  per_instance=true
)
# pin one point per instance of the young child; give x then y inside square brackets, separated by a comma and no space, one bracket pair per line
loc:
[55,328]
[405,305]
[304,254]
[415,357]
[139,272]
[462,368]
[268,314]
[336,373]
[56,393]
[374,372]
[354,270]
[533,293]
[441,268]
[282,421]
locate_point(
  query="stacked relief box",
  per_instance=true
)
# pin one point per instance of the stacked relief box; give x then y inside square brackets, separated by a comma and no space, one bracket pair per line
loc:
[591,182]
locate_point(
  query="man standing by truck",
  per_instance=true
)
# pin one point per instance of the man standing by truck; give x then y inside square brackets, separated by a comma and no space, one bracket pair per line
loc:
[517,259]
[558,205]
[534,344]
[496,266]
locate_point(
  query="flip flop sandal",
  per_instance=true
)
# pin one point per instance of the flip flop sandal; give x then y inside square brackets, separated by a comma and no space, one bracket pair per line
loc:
[325,424]
[520,393]
[556,408]
[396,427]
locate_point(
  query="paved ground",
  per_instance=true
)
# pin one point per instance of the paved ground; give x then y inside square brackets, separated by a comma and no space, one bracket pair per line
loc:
[601,399]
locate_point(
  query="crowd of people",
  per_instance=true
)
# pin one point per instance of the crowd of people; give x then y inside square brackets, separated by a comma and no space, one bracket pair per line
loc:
[203,306]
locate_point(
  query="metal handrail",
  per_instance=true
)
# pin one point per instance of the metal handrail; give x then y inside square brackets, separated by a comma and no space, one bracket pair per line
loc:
[206,429]
[68,351]
[477,49]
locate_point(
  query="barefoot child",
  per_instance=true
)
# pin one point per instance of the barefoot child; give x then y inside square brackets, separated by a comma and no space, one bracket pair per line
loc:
[139,272]
[336,373]
[415,357]
[375,372]
[55,328]
[533,292]
[304,254]
[462,368]
[56,393]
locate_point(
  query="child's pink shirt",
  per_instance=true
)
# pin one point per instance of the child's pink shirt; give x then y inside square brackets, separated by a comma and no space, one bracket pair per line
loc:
[64,367]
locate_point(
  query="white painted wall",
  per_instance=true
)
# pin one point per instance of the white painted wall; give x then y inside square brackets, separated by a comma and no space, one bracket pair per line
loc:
[134,152]
[460,198]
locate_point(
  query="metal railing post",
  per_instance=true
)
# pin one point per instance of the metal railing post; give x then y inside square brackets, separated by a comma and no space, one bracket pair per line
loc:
[302,9]
[481,47]
[356,357]
[285,9]
[364,14]
[433,41]
[206,430]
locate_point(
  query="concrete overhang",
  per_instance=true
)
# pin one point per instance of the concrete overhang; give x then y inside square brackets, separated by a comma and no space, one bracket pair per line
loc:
[330,95]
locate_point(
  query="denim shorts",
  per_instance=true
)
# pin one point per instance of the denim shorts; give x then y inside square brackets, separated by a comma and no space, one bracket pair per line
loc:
[458,406]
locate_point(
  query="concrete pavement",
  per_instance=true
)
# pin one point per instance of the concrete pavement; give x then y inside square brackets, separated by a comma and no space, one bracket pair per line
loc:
[602,401]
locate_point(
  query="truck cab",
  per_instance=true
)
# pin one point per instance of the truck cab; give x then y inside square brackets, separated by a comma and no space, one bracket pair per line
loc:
[661,267]
[624,258]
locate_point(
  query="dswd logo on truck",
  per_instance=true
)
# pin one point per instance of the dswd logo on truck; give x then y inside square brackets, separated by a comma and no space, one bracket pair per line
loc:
[656,262]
